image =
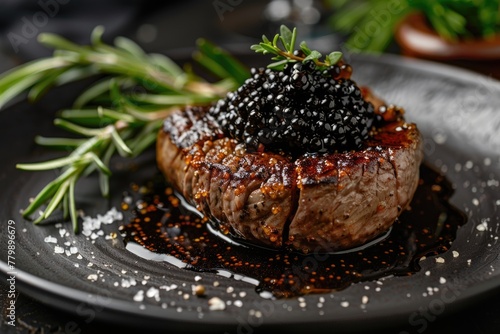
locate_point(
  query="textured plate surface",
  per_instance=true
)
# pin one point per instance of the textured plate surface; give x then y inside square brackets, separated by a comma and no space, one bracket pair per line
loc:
[459,115]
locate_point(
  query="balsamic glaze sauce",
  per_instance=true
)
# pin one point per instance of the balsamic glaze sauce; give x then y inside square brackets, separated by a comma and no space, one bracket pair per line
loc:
[167,229]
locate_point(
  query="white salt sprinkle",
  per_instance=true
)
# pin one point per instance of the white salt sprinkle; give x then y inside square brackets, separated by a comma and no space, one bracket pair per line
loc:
[153,293]
[139,296]
[58,250]
[92,277]
[62,232]
[216,304]
[442,280]
[439,260]
[483,226]
[455,254]
[91,224]
[50,239]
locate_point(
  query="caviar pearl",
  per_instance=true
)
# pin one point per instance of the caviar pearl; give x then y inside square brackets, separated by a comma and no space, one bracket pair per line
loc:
[289,111]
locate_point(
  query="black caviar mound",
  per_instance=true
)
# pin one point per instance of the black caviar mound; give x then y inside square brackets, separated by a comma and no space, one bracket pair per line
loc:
[298,110]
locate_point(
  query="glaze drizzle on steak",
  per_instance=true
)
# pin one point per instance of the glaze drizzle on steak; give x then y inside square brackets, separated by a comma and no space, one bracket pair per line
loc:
[311,203]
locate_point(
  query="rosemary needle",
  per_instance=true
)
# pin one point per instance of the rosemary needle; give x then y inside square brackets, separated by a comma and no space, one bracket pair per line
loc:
[111,116]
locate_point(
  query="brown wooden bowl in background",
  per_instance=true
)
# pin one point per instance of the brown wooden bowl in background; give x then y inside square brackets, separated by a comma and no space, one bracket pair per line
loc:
[417,39]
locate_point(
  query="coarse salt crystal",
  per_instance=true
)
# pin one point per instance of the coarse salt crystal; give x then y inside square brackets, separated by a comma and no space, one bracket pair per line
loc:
[153,293]
[439,260]
[58,250]
[125,283]
[364,299]
[216,304]
[455,254]
[92,277]
[483,226]
[139,296]
[50,239]
[442,280]
[344,303]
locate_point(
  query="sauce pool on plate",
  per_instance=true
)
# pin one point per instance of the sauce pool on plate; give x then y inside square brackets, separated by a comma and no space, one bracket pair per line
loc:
[165,228]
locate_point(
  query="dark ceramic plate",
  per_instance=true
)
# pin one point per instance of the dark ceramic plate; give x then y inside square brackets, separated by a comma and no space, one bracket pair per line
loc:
[459,115]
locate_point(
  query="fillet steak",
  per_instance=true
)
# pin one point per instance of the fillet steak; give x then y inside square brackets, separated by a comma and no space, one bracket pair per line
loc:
[311,203]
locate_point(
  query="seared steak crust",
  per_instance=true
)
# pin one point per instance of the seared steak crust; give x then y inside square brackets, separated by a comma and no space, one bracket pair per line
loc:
[326,202]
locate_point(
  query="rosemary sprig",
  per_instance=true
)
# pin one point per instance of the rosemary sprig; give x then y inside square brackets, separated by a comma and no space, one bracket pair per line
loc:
[119,114]
[288,54]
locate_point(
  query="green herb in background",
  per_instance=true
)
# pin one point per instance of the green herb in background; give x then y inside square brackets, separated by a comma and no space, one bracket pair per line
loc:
[370,24]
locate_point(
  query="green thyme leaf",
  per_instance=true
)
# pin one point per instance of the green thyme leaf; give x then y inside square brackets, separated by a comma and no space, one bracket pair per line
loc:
[314,55]
[305,48]
[287,54]
[286,38]
[334,57]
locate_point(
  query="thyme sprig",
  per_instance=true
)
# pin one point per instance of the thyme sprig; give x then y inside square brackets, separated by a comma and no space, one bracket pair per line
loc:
[119,114]
[286,53]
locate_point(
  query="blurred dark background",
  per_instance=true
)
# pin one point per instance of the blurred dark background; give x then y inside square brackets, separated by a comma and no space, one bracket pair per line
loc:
[156,26]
